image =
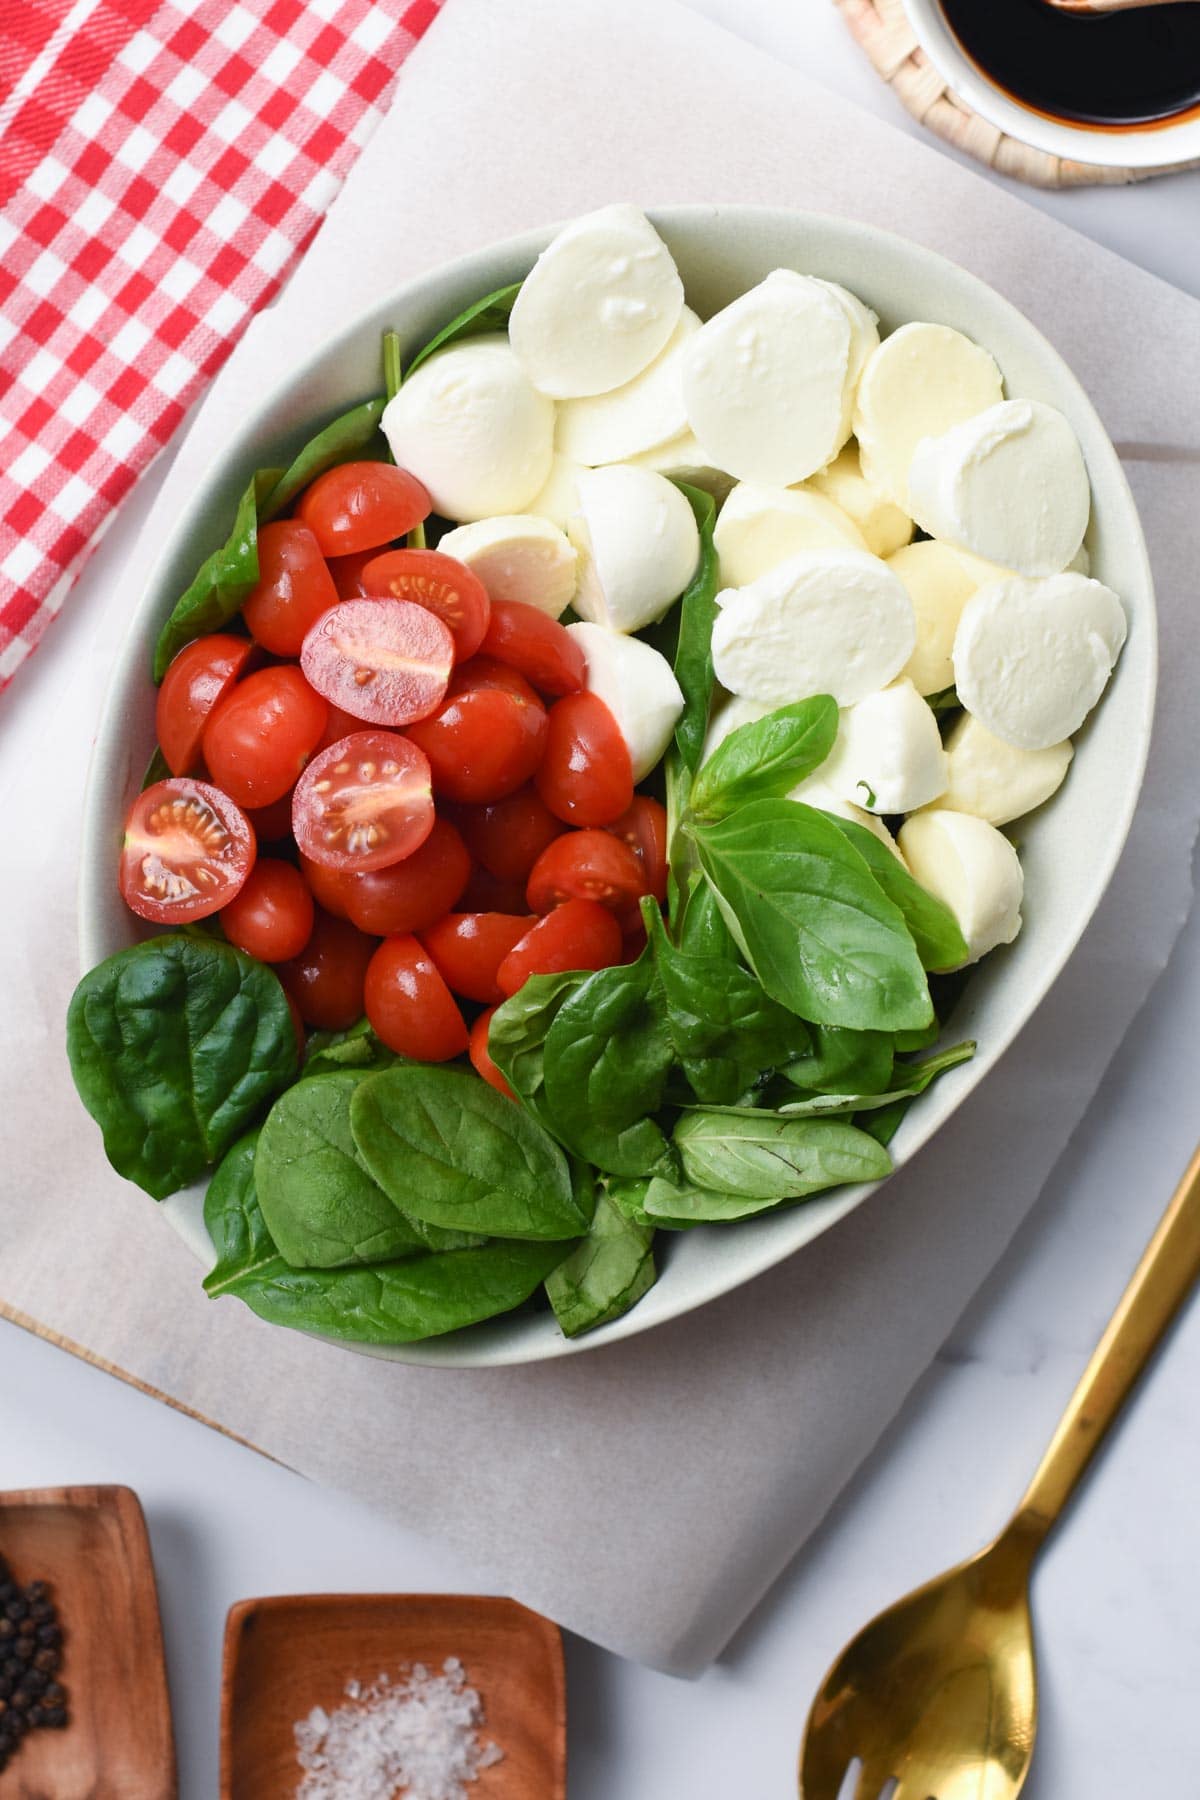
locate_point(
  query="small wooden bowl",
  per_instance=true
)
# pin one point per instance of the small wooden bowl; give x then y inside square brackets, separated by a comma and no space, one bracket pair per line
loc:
[90,1544]
[286,1655]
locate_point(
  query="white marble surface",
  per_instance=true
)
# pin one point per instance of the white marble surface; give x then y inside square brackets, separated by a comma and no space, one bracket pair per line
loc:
[1118,1595]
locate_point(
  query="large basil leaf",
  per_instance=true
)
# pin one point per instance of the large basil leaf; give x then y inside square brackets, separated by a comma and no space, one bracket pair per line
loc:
[448,1149]
[489,314]
[234,1218]
[607,1056]
[702,930]
[352,436]
[763,1156]
[765,759]
[693,653]
[517,1036]
[932,926]
[604,1275]
[221,583]
[176,1045]
[816,927]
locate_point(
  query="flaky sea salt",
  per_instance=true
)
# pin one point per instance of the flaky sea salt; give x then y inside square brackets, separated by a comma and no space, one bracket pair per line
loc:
[416,1737]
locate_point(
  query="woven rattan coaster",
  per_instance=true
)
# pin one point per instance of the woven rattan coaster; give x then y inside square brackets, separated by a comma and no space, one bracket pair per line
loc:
[883,30]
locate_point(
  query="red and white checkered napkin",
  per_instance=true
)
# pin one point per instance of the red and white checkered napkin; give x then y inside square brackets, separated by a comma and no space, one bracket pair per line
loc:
[162,167]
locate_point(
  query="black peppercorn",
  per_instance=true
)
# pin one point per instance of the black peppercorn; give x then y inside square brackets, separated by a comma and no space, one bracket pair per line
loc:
[56,1718]
[47,1661]
[15,1609]
[49,1634]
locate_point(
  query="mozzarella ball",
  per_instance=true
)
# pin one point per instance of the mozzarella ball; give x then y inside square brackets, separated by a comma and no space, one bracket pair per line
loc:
[884,525]
[470,426]
[759,527]
[683,459]
[973,868]
[558,498]
[864,340]
[922,380]
[939,586]
[638,687]
[518,557]
[888,757]
[643,413]
[994,780]
[639,546]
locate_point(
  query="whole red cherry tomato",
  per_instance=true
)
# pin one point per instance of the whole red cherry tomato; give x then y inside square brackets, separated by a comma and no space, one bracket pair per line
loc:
[259,737]
[468,948]
[272,916]
[446,587]
[347,572]
[326,978]
[486,738]
[585,776]
[197,679]
[409,1005]
[293,589]
[187,850]
[404,896]
[541,649]
[579,934]
[508,837]
[360,506]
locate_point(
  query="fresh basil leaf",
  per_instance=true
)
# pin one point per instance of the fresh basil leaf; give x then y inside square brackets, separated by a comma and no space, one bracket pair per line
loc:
[489,314]
[765,759]
[693,655]
[327,1052]
[391,365]
[176,1045]
[157,769]
[932,926]
[762,1156]
[674,1206]
[702,930]
[221,583]
[517,1036]
[841,1061]
[234,1218]
[814,924]
[606,1274]
[351,437]
[449,1150]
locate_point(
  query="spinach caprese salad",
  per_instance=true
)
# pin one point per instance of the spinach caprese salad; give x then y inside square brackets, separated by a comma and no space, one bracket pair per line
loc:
[580,787]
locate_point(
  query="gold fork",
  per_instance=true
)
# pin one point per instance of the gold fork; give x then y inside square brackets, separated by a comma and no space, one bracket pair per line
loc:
[939,1693]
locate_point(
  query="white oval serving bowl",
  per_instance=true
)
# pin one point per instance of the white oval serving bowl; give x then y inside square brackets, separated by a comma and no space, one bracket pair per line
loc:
[721,251]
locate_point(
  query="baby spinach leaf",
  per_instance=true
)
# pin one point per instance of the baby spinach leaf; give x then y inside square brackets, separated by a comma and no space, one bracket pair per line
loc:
[157,769]
[352,436]
[234,1218]
[176,1045]
[815,926]
[606,1274]
[883,1124]
[450,1150]
[932,926]
[762,1156]
[222,582]
[489,314]
[356,1048]
[517,1036]
[842,1061]
[673,1206]
[606,1060]
[765,759]
[910,1079]
[693,654]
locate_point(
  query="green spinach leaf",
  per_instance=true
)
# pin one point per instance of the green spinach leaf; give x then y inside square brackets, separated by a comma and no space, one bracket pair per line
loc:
[157,769]
[932,926]
[765,759]
[354,435]
[234,1218]
[606,1274]
[884,1123]
[676,1205]
[842,1061]
[693,654]
[517,1036]
[910,1079]
[222,582]
[328,1052]
[762,1156]
[489,314]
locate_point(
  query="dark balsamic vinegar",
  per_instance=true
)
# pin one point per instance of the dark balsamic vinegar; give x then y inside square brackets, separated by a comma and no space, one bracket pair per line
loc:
[1124,68]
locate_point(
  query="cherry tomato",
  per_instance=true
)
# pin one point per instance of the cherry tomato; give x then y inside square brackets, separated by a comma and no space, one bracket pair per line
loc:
[272,823]
[486,739]
[187,850]
[579,934]
[361,506]
[338,726]
[272,916]
[363,803]
[385,661]
[326,978]
[633,942]
[259,737]
[644,829]
[409,1005]
[200,676]
[509,836]
[585,776]
[486,892]
[468,948]
[586,865]
[445,587]
[328,887]
[405,896]
[481,1056]
[347,573]
[297,1021]
[489,672]
[293,589]
[544,651]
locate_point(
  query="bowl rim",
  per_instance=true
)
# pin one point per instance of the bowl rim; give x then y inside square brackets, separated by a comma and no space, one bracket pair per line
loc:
[469,1347]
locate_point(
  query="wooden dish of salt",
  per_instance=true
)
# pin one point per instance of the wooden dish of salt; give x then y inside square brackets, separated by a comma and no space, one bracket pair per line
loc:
[316,1662]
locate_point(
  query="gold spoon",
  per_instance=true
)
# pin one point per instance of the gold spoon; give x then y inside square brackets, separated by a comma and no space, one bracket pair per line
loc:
[939,1692]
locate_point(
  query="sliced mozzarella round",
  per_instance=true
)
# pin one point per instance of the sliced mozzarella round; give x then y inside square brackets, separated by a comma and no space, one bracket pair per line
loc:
[597,306]
[884,525]
[922,380]
[638,687]
[828,622]
[683,459]
[1031,658]
[939,586]
[864,339]
[759,527]
[558,498]
[471,427]
[764,380]
[518,557]
[815,791]
[1009,485]
[973,868]
[888,757]
[638,542]
[994,780]
[645,412]
[729,712]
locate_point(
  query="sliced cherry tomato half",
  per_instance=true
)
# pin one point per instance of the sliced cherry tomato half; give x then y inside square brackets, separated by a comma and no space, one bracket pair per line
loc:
[409,1005]
[585,776]
[187,850]
[200,676]
[347,573]
[540,648]
[509,836]
[403,897]
[579,934]
[383,661]
[440,584]
[644,829]
[586,865]
[361,506]
[262,733]
[485,741]
[326,978]
[481,1056]
[293,589]
[468,948]
[363,803]
[272,915]
[486,892]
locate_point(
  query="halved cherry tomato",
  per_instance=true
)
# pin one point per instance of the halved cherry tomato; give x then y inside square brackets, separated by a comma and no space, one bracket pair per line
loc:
[363,803]
[383,661]
[486,739]
[409,1005]
[262,733]
[293,589]
[273,823]
[509,836]
[187,850]
[297,1021]
[585,776]
[644,829]
[488,672]
[486,892]
[272,916]
[200,676]
[586,865]
[445,587]
[529,640]
[468,948]
[481,1056]
[579,934]
[347,573]
[361,506]
[326,978]
[403,897]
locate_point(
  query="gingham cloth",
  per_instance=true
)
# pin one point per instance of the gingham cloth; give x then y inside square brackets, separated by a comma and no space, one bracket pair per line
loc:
[162,167]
